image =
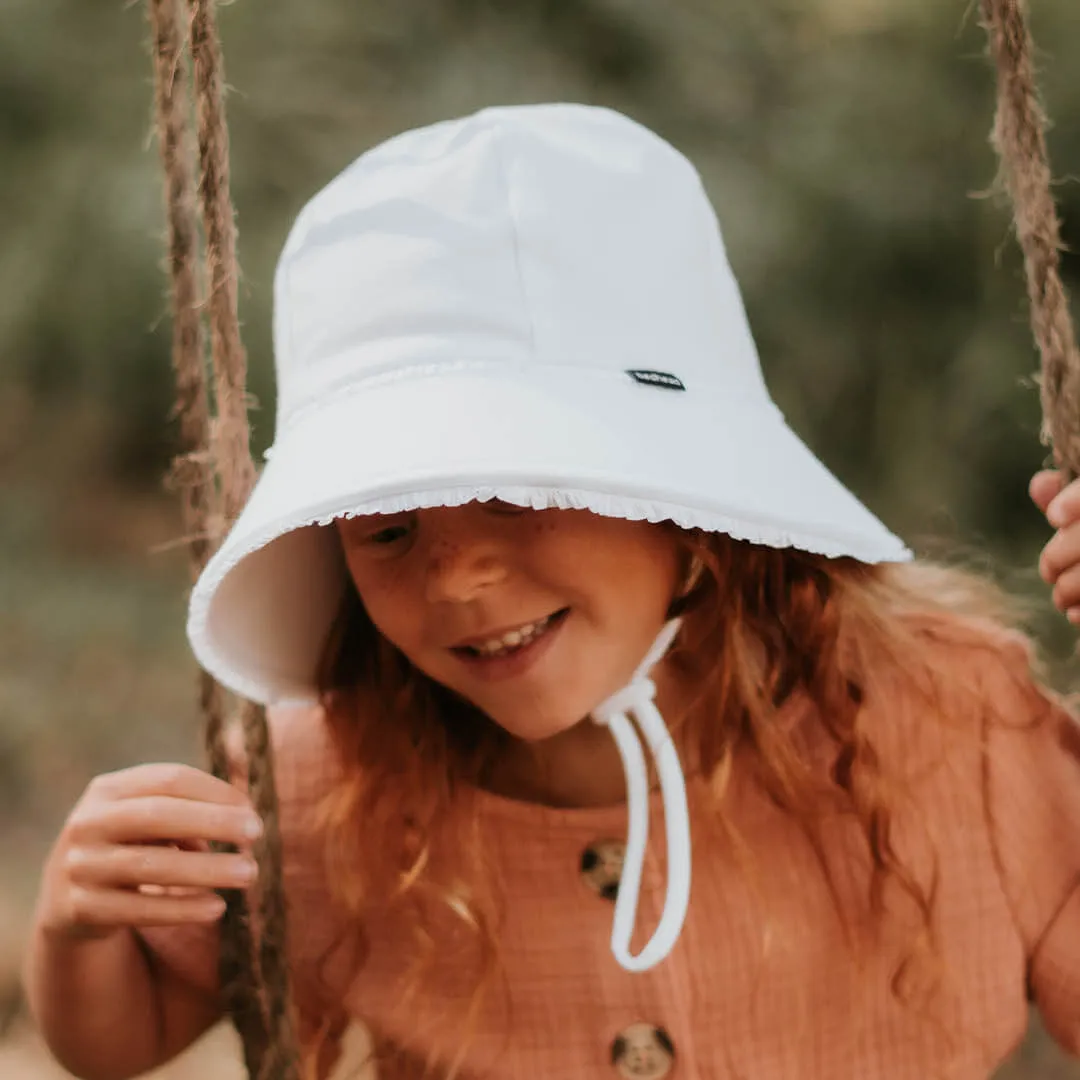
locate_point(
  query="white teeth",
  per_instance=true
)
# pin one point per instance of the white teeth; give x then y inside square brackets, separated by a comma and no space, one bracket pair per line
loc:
[513,639]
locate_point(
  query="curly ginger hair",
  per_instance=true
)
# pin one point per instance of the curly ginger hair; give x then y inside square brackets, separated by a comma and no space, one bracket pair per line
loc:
[763,629]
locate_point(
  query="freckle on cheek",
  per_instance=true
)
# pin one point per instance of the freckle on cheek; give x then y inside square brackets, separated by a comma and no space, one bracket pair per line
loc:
[445,554]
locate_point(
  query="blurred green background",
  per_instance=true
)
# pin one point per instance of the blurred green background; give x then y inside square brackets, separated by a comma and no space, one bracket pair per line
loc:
[844,143]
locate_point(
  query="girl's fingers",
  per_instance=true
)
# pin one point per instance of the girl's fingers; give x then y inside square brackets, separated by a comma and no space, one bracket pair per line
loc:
[1044,487]
[92,908]
[130,866]
[1062,552]
[186,845]
[1066,593]
[162,817]
[1064,507]
[168,778]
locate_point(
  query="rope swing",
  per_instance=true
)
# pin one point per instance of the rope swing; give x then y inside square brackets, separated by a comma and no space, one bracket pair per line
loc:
[214,473]
[1020,141]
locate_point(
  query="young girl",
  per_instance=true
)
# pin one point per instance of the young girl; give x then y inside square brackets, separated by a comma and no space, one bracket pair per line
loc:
[530,504]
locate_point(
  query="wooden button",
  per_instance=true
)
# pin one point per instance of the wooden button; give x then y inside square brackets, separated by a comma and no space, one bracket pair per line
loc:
[601,867]
[643,1052]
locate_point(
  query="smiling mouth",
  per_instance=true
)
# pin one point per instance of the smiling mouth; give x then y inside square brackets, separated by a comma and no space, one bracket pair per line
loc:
[514,640]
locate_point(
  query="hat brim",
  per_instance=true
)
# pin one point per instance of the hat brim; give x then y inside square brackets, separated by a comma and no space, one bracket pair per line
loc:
[585,438]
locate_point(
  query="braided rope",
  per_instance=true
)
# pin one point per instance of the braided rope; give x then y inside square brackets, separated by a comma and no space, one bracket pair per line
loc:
[1020,141]
[255,987]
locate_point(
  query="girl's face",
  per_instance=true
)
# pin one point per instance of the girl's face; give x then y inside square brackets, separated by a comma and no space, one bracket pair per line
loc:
[534,616]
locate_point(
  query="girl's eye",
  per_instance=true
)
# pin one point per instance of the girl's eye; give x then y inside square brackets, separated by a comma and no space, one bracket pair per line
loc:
[389,535]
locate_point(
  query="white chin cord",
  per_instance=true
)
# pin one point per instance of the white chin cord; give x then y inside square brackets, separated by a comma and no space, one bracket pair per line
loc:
[637,700]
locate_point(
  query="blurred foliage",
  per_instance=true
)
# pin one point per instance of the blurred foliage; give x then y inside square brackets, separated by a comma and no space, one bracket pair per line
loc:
[844,143]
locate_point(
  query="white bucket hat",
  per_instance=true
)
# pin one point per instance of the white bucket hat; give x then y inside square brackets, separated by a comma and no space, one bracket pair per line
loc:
[531,304]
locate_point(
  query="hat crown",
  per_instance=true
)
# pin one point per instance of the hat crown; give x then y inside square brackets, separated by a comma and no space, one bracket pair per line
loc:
[560,235]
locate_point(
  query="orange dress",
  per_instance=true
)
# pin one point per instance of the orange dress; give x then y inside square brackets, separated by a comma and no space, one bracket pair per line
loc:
[763,983]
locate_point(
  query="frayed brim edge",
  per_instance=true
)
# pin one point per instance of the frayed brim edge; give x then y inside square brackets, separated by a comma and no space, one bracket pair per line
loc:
[630,508]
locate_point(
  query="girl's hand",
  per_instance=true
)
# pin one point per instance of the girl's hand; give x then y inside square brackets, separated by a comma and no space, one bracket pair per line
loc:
[1059,564]
[135,852]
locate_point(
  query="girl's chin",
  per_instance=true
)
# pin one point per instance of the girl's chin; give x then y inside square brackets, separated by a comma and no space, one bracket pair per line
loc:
[531,730]
[534,728]
[543,717]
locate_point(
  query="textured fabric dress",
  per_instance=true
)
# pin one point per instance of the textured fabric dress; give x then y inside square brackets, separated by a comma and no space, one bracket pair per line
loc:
[767,982]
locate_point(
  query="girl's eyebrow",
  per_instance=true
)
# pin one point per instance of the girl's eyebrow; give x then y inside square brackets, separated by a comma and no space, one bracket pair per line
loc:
[371,522]
[365,519]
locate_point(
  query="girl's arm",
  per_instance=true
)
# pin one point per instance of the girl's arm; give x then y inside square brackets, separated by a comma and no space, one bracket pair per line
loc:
[1032,800]
[106,1010]
[1040,834]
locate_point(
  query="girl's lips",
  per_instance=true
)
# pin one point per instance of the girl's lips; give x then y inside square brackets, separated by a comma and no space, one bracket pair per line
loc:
[512,664]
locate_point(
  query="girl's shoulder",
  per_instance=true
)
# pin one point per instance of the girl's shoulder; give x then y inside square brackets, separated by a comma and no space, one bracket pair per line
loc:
[300,737]
[973,668]
[300,744]
[303,760]
[1007,786]
[305,764]
[962,696]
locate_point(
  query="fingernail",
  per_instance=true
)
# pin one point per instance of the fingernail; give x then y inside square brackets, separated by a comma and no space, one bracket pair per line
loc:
[247,870]
[253,828]
[1055,515]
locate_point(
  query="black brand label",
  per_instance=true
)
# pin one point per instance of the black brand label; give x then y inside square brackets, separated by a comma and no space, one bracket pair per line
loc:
[663,379]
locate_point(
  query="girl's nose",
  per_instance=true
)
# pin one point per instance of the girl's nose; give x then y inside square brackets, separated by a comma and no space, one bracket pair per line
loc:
[461,563]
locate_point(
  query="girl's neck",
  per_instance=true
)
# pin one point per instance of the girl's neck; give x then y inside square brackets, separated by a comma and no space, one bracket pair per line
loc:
[579,767]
